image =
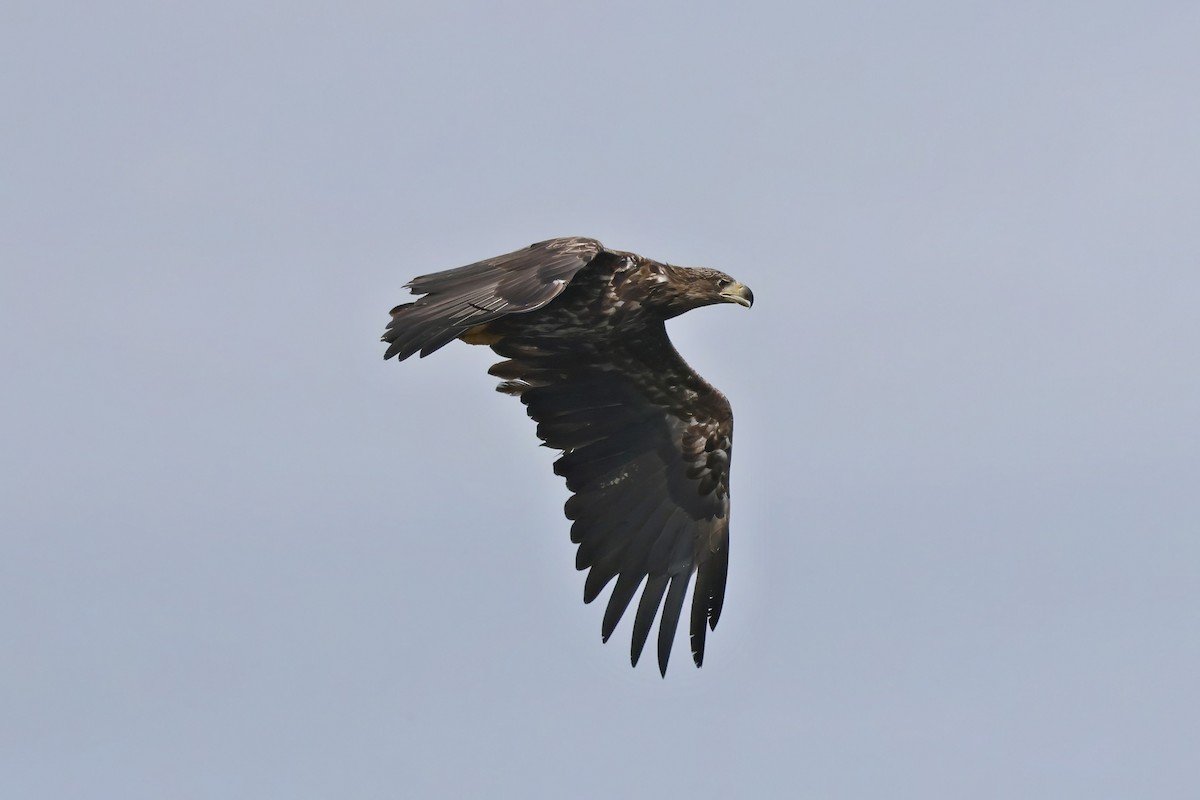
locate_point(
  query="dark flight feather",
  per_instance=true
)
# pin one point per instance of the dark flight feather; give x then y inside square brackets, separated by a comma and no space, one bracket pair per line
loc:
[645,441]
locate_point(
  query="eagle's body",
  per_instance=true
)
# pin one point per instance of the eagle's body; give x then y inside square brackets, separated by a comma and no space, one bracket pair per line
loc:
[646,441]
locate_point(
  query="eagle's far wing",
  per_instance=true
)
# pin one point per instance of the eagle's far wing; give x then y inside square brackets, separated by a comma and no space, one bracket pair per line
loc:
[458,299]
[646,450]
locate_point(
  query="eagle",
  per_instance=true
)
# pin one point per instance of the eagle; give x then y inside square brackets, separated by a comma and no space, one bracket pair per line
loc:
[645,440]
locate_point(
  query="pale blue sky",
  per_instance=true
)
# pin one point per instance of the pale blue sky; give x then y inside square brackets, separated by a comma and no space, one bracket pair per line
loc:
[242,556]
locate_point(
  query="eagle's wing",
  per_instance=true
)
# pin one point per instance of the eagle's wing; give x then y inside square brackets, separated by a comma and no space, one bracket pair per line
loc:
[458,299]
[646,446]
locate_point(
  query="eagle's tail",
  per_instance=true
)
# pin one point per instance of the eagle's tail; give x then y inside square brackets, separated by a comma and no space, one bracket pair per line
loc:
[428,326]
[459,301]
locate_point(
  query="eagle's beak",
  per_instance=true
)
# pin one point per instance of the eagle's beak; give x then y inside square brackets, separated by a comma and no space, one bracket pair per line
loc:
[738,292]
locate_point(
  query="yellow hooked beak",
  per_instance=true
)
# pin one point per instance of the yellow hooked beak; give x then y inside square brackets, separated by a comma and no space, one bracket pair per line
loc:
[738,292]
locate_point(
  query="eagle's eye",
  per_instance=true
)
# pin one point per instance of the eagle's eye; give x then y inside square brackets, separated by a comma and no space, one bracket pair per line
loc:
[723,282]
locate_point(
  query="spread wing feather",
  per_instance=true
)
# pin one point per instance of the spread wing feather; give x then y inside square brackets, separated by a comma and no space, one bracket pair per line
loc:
[457,299]
[650,482]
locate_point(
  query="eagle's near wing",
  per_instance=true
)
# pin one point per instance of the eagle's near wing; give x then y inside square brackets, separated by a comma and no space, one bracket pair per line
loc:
[458,299]
[650,479]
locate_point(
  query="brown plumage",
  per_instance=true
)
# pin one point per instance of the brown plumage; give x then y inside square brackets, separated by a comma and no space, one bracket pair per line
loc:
[645,441]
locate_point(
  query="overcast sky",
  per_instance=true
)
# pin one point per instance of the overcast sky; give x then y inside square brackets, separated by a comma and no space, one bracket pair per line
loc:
[242,556]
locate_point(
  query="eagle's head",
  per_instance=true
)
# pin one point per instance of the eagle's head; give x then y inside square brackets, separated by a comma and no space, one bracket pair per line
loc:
[692,287]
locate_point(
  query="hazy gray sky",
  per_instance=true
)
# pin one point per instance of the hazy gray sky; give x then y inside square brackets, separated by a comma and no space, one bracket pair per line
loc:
[242,556]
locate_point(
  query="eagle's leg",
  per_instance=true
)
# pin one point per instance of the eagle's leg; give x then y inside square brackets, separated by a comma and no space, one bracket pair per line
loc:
[479,334]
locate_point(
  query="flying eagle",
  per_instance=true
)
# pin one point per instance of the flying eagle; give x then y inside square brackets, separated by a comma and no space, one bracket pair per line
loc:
[645,441]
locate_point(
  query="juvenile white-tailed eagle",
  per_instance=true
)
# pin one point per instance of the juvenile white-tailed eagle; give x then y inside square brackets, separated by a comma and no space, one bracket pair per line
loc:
[645,441]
